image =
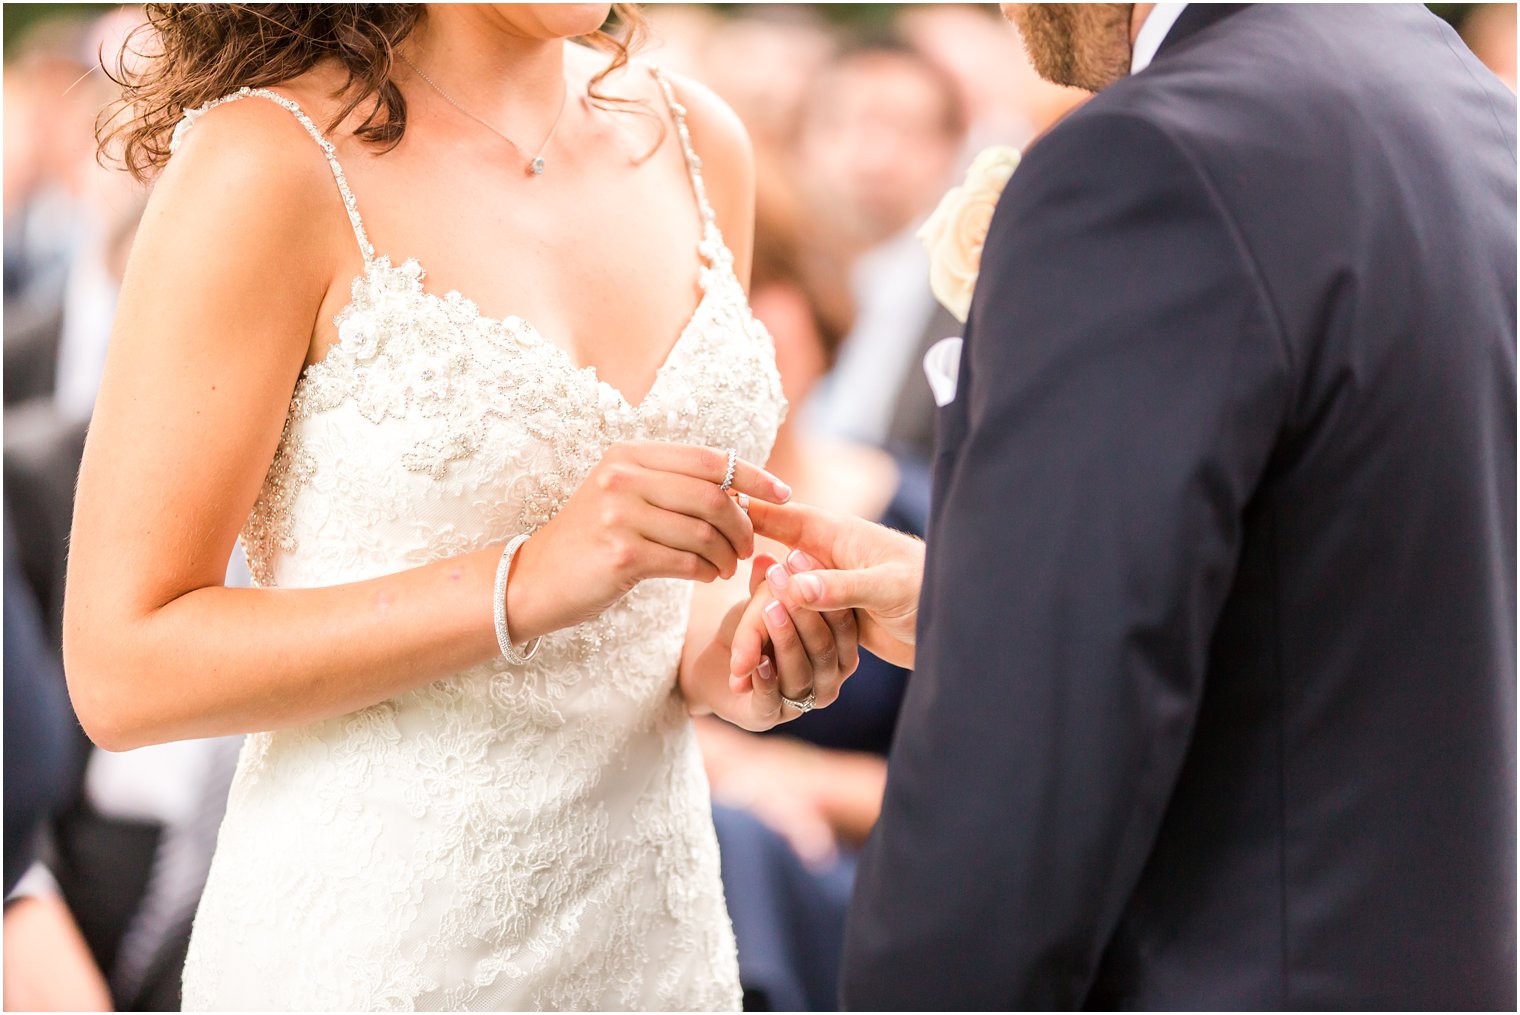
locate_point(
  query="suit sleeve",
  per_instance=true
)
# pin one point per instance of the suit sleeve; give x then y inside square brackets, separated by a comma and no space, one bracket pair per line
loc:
[1125,380]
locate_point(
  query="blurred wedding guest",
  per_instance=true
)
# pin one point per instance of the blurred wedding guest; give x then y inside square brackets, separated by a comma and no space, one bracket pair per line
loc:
[762,64]
[679,34]
[1006,101]
[38,721]
[54,90]
[56,332]
[48,964]
[130,845]
[47,137]
[1489,31]
[87,302]
[792,808]
[21,172]
[55,339]
[879,140]
[59,318]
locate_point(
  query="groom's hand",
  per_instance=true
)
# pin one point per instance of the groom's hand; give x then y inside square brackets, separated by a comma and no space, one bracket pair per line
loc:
[841,562]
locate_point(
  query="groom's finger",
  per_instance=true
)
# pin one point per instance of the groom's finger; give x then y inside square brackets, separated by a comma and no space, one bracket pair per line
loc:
[795,525]
[794,667]
[872,589]
[841,622]
[818,640]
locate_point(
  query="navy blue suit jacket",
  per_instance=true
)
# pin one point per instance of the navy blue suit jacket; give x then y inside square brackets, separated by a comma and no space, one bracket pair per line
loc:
[1214,700]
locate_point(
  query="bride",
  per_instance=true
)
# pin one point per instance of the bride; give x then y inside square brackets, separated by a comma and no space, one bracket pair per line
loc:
[418,280]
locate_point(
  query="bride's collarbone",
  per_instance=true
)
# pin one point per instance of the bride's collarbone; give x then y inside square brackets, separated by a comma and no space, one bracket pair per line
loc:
[612,295]
[599,255]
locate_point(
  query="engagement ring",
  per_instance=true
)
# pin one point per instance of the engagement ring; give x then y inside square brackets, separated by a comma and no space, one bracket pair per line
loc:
[805,705]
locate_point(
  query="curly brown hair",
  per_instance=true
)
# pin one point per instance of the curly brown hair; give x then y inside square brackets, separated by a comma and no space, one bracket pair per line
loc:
[187,54]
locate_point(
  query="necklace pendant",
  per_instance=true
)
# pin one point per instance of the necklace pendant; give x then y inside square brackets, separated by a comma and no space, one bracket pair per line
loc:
[536,167]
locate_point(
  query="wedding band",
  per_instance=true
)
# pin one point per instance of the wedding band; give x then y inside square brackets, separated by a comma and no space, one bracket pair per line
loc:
[805,705]
[728,479]
[743,500]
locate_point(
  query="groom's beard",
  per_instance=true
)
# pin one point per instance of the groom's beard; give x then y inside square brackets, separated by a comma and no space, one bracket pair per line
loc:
[1083,45]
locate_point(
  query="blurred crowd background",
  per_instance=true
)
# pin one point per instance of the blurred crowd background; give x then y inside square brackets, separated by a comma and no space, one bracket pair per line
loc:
[862,116]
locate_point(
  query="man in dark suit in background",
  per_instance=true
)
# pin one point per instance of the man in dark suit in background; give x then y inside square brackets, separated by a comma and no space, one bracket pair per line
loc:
[1214,692]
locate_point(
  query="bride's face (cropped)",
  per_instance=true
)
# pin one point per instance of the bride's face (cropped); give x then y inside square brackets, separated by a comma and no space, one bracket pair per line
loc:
[547,21]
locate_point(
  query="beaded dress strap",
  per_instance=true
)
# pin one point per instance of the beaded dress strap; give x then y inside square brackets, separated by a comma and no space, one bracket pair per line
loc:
[191,115]
[693,160]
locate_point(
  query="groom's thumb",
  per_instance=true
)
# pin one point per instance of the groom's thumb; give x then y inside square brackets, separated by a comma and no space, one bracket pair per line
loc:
[865,589]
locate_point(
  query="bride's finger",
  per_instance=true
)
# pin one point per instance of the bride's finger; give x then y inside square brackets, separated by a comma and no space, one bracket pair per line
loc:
[750,638]
[663,561]
[818,640]
[688,496]
[683,532]
[842,622]
[766,708]
[711,465]
[795,667]
[762,563]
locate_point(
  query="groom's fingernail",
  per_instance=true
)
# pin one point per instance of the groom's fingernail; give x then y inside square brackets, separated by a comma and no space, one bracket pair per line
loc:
[775,613]
[799,561]
[778,577]
[809,586]
[766,671]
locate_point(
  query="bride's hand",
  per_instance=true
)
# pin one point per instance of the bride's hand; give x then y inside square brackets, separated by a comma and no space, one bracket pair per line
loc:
[762,650]
[648,510]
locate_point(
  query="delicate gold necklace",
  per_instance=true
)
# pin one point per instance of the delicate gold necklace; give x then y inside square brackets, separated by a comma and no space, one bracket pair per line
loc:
[535,166]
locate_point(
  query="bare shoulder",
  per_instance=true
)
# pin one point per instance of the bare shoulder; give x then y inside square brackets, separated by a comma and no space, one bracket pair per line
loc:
[722,142]
[249,152]
[719,137]
[717,133]
[715,128]
[247,175]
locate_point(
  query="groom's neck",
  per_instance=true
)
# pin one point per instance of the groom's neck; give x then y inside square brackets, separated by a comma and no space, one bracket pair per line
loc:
[1137,18]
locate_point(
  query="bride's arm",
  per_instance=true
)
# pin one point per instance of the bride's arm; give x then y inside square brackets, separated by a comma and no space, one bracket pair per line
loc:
[236,251]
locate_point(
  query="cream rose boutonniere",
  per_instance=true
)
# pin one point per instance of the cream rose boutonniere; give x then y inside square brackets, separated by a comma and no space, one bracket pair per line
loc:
[956,231]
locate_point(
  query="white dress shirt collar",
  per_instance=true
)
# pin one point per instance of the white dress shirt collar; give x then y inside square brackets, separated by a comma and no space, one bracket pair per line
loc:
[1152,33]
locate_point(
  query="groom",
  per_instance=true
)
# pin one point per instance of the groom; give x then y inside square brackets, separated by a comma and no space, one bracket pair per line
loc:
[1214,698]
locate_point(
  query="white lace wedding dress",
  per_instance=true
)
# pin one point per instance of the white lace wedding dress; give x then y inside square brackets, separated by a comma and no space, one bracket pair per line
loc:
[533,837]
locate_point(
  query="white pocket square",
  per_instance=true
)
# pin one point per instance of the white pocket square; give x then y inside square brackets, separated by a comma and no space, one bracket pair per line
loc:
[942,365]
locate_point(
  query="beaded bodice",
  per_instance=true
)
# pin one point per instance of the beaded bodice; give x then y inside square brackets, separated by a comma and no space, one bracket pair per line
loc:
[520,836]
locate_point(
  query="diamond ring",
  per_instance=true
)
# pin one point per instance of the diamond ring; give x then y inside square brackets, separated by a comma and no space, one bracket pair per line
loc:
[728,479]
[803,705]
